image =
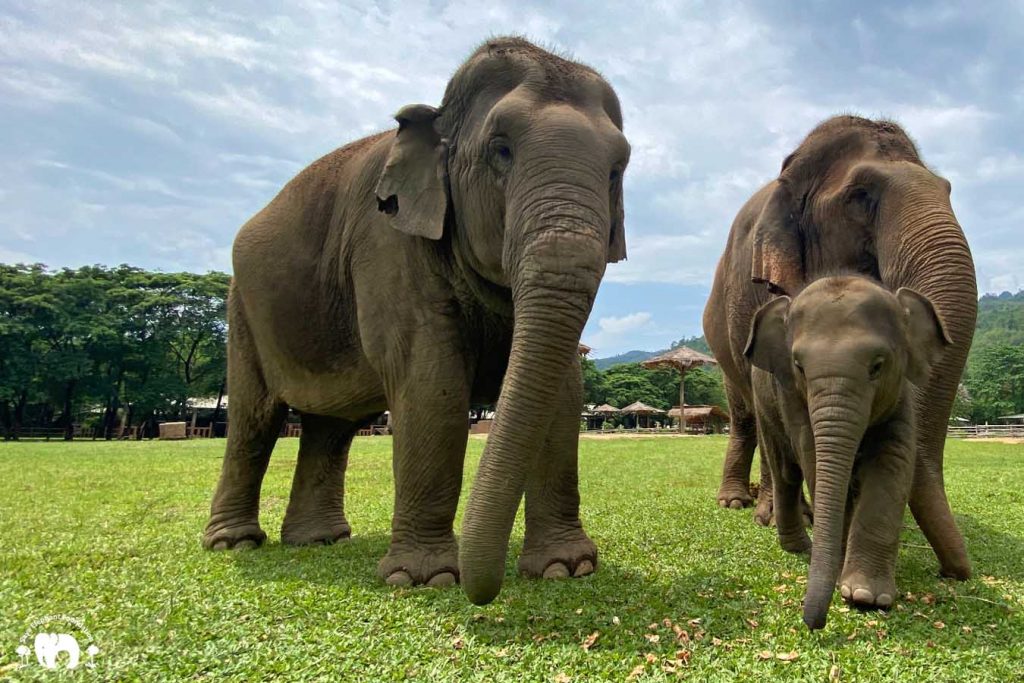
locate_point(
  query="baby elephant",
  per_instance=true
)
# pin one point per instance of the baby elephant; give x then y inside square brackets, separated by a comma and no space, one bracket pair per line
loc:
[832,378]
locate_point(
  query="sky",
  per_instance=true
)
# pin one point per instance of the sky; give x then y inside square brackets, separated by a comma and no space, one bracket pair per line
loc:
[148,133]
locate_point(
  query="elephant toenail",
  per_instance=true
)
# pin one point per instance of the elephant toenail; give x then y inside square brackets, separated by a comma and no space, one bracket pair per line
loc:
[583,568]
[884,600]
[556,570]
[220,545]
[245,544]
[736,505]
[723,503]
[863,596]
[441,580]
[399,578]
[845,590]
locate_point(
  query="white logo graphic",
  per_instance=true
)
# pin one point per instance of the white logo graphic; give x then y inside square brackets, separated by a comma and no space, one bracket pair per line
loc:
[48,644]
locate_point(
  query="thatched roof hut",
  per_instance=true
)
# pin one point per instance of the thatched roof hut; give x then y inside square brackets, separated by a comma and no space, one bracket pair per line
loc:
[640,409]
[682,359]
[605,410]
[705,419]
[583,349]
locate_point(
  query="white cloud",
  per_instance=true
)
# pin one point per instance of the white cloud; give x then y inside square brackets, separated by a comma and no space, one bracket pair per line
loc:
[626,323]
[150,120]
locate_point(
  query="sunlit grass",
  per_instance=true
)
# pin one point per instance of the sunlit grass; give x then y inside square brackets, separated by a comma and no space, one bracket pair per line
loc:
[109,533]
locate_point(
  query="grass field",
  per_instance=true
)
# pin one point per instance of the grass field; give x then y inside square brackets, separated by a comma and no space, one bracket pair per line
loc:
[109,533]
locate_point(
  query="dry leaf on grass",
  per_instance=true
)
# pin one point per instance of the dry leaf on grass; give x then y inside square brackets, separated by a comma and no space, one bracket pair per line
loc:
[637,671]
[833,673]
[458,643]
[787,656]
[652,637]
[562,678]
[589,641]
[939,625]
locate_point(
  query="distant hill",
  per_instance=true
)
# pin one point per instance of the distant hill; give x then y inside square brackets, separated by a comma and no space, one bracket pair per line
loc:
[627,357]
[695,343]
[1000,320]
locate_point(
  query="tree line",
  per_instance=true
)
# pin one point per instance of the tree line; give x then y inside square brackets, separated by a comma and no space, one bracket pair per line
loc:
[98,347]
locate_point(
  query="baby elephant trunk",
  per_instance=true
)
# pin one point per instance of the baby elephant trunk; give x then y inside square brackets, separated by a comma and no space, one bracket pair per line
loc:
[839,417]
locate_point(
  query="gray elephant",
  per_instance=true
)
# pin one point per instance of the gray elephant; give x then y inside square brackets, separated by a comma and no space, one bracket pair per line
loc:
[418,270]
[854,197]
[835,405]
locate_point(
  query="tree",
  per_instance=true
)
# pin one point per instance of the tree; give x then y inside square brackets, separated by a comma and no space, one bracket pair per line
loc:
[996,382]
[594,390]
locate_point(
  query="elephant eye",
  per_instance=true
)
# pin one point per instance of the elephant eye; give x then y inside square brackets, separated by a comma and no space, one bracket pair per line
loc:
[876,367]
[501,149]
[799,366]
[614,175]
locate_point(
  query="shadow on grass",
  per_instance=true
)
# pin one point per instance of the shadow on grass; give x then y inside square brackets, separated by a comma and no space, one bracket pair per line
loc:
[622,602]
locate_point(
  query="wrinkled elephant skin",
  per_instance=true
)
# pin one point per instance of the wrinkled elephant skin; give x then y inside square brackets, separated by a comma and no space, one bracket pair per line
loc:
[453,260]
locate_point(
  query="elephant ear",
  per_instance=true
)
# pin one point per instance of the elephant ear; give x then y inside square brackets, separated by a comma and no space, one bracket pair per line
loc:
[617,239]
[411,189]
[778,250]
[927,336]
[767,347]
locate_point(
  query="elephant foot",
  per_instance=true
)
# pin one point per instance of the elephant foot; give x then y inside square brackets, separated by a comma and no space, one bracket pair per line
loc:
[764,511]
[224,535]
[866,592]
[321,532]
[735,495]
[409,564]
[960,569]
[797,544]
[559,559]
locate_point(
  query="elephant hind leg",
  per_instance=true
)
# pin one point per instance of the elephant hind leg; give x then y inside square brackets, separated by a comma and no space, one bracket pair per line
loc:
[316,510]
[734,491]
[254,421]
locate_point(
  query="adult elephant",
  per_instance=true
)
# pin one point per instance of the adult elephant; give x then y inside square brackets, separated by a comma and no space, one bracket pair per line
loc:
[854,197]
[454,259]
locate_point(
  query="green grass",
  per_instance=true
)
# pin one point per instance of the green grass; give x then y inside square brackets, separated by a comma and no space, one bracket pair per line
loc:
[109,533]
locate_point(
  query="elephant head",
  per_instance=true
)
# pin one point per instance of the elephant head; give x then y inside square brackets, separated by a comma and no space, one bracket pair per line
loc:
[520,171]
[49,645]
[855,197]
[845,346]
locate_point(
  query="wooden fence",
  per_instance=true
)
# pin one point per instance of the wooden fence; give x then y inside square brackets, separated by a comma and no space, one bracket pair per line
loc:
[986,431]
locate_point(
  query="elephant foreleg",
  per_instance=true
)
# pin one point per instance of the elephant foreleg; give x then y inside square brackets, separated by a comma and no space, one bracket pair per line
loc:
[734,491]
[430,421]
[875,520]
[556,545]
[316,511]
[928,499]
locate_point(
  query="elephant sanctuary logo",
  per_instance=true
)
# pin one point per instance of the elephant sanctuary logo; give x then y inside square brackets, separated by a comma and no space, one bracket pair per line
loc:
[57,641]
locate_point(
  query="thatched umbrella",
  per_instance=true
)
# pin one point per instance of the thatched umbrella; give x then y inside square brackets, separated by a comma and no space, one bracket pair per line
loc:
[583,349]
[682,359]
[639,408]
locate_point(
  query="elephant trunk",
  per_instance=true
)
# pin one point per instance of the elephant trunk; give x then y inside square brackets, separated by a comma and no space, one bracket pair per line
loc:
[922,246]
[553,287]
[839,415]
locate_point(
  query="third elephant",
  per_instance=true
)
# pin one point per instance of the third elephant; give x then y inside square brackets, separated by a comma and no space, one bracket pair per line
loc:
[854,197]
